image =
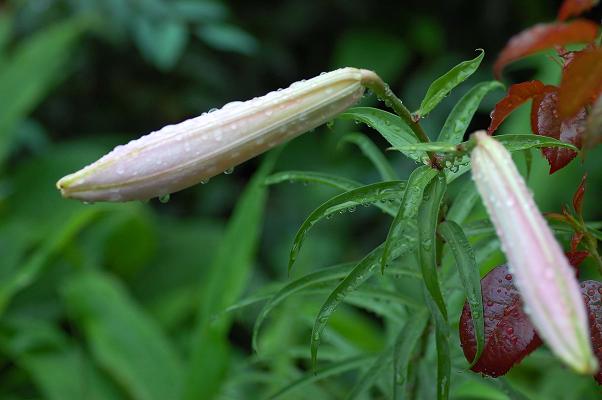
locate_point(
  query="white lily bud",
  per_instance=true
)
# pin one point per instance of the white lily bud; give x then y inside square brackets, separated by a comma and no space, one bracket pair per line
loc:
[543,275]
[178,156]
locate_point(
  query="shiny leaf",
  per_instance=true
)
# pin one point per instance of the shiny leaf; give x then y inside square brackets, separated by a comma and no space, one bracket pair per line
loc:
[581,82]
[544,36]
[517,95]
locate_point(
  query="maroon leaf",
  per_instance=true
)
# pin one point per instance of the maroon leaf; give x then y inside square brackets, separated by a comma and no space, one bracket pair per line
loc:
[517,95]
[578,196]
[544,36]
[581,82]
[593,131]
[576,258]
[592,294]
[509,334]
[546,122]
[572,8]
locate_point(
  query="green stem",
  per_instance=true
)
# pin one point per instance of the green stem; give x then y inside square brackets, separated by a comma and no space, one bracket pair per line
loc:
[373,82]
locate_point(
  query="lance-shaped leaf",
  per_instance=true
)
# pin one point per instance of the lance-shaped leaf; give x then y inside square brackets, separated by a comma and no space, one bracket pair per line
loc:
[545,121]
[542,272]
[444,84]
[572,8]
[338,182]
[373,154]
[181,155]
[544,36]
[581,82]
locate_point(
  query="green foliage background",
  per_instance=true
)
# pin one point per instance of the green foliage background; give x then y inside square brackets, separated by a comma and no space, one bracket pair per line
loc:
[128,301]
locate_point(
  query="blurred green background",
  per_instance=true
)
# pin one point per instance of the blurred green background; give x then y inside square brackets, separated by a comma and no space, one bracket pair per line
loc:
[126,301]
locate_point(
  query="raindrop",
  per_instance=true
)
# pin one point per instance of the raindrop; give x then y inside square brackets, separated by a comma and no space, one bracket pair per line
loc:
[229,171]
[164,198]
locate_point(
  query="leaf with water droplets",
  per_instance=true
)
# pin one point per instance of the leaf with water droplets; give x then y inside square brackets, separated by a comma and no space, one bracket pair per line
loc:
[509,334]
[460,116]
[369,194]
[335,181]
[445,83]
[405,344]
[592,295]
[373,154]
[463,253]
[405,220]
[389,125]
[544,36]
[332,369]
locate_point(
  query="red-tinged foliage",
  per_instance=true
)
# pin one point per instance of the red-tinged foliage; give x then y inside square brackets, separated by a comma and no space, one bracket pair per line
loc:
[544,36]
[517,95]
[576,258]
[578,196]
[572,8]
[592,294]
[581,82]
[509,334]
[593,130]
[546,122]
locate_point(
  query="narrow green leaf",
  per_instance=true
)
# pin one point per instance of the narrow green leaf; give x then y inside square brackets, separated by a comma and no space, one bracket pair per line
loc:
[463,203]
[31,70]
[365,195]
[331,274]
[459,118]
[405,344]
[463,253]
[29,271]
[428,215]
[372,373]
[511,142]
[227,278]
[528,163]
[331,370]
[404,223]
[445,83]
[373,154]
[334,181]
[389,125]
[123,339]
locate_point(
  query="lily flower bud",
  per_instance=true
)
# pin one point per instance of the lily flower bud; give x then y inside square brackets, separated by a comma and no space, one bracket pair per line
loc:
[543,275]
[178,156]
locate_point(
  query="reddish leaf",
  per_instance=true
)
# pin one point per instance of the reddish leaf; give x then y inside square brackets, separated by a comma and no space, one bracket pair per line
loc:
[509,335]
[545,122]
[544,36]
[572,8]
[578,196]
[593,131]
[581,82]
[575,240]
[576,258]
[592,294]
[517,95]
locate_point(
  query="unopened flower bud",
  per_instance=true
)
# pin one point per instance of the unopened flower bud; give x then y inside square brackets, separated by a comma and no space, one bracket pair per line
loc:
[181,155]
[544,278]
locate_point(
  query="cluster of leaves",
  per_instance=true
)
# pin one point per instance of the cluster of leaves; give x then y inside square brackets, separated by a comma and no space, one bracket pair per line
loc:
[570,111]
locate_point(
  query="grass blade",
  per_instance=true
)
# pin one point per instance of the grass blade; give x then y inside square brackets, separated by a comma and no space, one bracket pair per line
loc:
[428,216]
[405,344]
[460,116]
[373,193]
[373,154]
[226,281]
[334,181]
[404,222]
[463,253]
[123,340]
[445,83]
[333,369]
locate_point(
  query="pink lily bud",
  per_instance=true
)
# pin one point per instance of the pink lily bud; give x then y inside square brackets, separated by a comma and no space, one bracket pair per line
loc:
[178,156]
[544,278]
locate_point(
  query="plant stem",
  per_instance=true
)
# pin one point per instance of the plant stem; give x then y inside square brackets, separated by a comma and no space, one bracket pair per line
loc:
[384,92]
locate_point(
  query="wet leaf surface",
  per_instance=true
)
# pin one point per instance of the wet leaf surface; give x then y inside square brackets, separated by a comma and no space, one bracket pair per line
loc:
[517,95]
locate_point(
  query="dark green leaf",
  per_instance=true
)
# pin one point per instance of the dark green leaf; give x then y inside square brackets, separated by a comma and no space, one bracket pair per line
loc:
[459,118]
[463,203]
[228,37]
[335,181]
[161,41]
[405,344]
[405,221]
[445,83]
[463,253]
[367,379]
[373,193]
